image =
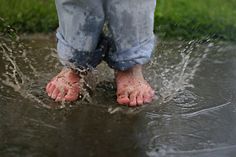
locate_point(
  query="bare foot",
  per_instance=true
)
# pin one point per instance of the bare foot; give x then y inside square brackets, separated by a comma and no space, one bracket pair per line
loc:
[64,86]
[132,88]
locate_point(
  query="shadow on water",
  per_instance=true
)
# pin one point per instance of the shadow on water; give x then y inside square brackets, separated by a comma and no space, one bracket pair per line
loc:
[194,115]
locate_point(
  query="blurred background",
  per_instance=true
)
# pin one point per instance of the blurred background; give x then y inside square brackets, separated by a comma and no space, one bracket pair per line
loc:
[173,18]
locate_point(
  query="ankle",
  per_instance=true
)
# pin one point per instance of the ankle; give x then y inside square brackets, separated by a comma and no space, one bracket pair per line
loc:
[72,71]
[135,71]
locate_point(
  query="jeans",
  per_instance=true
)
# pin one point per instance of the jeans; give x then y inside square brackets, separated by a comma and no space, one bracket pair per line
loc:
[80,34]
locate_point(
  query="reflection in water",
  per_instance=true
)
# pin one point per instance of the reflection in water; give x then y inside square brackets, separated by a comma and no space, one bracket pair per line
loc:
[194,114]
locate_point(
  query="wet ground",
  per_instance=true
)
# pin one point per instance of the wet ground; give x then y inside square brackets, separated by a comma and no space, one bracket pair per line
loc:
[194,115]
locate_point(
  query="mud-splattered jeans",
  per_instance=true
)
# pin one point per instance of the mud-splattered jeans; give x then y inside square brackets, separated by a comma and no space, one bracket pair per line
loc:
[130,23]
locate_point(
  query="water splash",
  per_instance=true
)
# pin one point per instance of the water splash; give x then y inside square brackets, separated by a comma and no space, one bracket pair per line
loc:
[14,77]
[23,71]
[171,72]
[186,106]
[177,77]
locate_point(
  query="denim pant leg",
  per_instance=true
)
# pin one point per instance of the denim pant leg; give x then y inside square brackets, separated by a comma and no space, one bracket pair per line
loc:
[131,24]
[80,25]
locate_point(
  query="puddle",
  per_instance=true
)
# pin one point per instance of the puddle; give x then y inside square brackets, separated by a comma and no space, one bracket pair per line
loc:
[194,115]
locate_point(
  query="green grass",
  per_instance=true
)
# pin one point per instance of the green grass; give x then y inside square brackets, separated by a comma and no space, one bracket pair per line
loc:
[29,15]
[196,19]
[173,18]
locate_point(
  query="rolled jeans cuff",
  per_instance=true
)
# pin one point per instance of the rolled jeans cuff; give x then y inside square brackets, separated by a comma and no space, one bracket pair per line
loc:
[137,55]
[74,58]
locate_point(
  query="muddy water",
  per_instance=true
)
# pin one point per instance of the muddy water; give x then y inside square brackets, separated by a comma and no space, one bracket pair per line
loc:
[194,115]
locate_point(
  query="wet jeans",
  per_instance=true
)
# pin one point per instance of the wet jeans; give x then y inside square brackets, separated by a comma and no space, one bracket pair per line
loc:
[130,23]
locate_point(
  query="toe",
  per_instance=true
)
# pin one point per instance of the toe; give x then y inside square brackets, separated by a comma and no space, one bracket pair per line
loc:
[60,97]
[147,98]
[151,92]
[72,94]
[123,98]
[51,89]
[140,99]
[55,93]
[133,99]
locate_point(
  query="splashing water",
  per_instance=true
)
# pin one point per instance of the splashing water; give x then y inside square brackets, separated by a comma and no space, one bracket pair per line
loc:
[22,69]
[172,70]
[14,77]
[172,79]
[186,100]
[195,82]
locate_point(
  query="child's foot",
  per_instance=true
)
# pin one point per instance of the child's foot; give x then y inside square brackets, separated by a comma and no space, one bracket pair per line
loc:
[132,88]
[65,86]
